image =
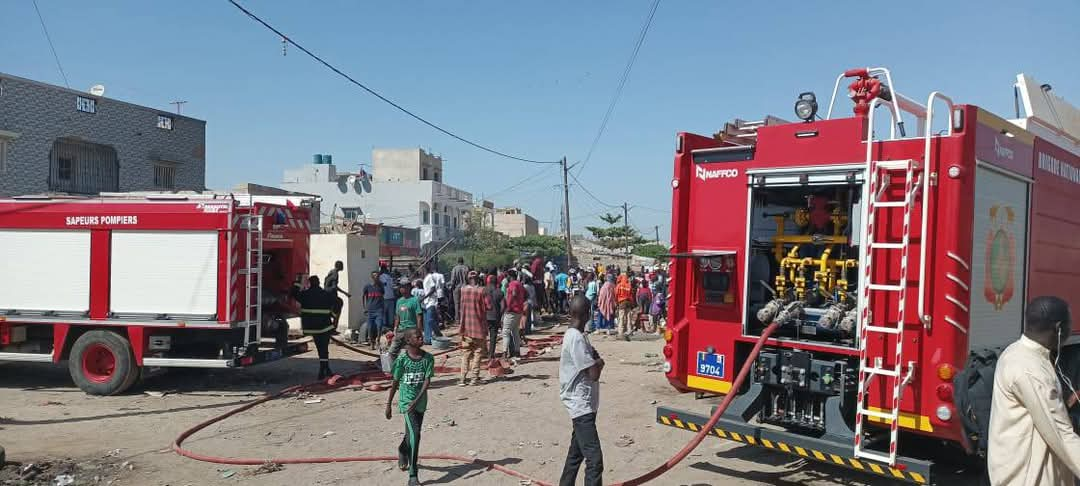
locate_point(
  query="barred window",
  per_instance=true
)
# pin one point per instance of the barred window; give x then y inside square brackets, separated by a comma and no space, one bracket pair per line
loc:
[80,167]
[164,122]
[164,176]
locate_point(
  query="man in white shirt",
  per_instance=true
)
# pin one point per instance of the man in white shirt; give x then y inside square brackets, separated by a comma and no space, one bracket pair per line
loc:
[433,291]
[1032,442]
[579,388]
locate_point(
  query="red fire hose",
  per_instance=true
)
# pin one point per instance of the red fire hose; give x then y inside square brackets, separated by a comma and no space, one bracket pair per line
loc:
[653,474]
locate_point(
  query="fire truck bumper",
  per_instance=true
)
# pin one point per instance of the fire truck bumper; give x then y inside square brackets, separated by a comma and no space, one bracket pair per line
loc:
[907,469]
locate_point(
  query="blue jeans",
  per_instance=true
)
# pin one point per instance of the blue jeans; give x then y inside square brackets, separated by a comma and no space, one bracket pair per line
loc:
[430,322]
[375,325]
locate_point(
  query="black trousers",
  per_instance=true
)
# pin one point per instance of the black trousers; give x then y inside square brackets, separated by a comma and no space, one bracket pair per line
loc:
[409,450]
[494,328]
[322,346]
[584,445]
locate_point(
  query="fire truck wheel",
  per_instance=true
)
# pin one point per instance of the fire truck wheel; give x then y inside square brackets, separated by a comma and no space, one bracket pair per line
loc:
[102,363]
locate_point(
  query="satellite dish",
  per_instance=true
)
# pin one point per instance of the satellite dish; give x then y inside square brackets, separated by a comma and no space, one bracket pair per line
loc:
[98,90]
[352,180]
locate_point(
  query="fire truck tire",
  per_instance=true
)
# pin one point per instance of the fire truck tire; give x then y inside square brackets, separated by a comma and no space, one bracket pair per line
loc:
[102,363]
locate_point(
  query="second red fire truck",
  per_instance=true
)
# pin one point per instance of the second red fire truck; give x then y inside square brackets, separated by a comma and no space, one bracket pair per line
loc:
[891,257]
[116,285]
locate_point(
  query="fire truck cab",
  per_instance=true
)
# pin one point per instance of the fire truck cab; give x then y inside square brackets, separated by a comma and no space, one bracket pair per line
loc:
[119,284]
[888,254]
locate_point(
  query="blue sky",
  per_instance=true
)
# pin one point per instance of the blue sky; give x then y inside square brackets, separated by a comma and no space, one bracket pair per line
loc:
[529,78]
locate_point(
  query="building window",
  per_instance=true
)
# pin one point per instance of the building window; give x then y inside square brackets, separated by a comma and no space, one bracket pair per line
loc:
[455,223]
[436,219]
[423,174]
[351,214]
[63,168]
[88,105]
[164,176]
[6,139]
[437,179]
[164,122]
[425,217]
[80,167]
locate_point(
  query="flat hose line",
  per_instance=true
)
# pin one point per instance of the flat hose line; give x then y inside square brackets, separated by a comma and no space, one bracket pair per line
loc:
[177,445]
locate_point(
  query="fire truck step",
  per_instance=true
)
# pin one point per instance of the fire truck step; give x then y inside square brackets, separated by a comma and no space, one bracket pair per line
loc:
[886,246]
[890,204]
[886,330]
[881,415]
[873,456]
[887,287]
[881,371]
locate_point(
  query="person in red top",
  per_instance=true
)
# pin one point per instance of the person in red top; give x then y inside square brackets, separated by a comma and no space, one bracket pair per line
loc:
[644,300]
[624,303]
[514,310]
[472,314]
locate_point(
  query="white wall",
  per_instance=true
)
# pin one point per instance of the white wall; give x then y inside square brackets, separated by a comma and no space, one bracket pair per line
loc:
[360,254]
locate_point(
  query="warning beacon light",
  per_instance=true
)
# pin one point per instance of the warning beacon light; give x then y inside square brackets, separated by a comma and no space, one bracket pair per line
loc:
[806,106]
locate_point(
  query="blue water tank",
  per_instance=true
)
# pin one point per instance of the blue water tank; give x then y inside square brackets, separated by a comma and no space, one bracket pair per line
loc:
[316,159]
[327,159]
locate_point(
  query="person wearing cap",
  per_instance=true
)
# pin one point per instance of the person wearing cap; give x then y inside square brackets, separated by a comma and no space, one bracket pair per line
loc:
[494,297]
[472,315]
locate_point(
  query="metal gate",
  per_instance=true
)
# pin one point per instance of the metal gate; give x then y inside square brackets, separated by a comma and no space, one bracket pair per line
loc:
[82,167]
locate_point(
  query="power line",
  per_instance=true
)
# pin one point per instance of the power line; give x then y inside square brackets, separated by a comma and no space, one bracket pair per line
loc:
[517,184]
[583,188]
[51,47]
[638,206]
[287,39]
[622,83]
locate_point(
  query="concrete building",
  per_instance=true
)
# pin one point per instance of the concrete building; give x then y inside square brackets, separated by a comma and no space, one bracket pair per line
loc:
[513,222]
[59,140]
[360,255]
[405,189]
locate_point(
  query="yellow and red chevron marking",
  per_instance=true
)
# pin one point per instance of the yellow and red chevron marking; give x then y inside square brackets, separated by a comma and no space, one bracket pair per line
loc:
[880,469]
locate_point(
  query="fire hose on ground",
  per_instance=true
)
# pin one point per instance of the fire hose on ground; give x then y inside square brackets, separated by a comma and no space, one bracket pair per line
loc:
[653,474]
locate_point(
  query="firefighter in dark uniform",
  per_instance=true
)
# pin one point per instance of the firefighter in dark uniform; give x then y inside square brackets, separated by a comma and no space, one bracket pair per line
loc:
[317,320]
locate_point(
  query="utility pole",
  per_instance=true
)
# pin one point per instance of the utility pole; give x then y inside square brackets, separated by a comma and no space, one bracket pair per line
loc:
[566,214]
[657,228]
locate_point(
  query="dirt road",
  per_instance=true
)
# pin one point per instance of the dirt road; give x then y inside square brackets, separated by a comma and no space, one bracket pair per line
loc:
[516,421]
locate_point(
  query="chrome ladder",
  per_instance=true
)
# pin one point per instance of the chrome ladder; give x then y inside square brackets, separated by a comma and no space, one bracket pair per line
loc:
[872,367]
[252,274]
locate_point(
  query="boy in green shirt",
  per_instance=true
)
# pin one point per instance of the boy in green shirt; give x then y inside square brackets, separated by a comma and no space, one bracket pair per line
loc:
[407,314]
[412,373]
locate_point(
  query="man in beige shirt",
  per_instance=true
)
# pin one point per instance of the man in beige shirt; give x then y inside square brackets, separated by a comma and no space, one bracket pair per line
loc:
[1032,442]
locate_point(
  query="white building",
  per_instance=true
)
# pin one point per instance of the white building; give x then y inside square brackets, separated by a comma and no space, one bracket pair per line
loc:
[404,188]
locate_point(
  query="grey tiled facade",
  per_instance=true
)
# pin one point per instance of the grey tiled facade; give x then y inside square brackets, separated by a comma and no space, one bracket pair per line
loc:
[34,116]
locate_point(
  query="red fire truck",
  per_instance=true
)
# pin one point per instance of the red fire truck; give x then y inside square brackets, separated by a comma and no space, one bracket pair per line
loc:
[116,285]
[887,259]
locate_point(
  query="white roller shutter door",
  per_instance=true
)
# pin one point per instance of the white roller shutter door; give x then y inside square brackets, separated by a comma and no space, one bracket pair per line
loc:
[46,270]
[158,272]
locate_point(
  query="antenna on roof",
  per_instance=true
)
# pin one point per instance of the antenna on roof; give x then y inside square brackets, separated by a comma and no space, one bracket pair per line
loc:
[98,90]
[177,104]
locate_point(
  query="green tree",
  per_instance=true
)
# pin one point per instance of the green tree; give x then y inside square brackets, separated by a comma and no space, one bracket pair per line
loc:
[650,250]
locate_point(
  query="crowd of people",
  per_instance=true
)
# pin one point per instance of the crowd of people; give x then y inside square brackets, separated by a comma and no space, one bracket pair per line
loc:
[494,309]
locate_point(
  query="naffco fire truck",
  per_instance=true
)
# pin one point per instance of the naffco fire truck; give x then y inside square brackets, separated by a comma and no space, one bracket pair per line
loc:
[119,284]
[889,256]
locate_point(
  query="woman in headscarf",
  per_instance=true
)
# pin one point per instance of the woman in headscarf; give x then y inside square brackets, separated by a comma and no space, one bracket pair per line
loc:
[605,302]
[624,303]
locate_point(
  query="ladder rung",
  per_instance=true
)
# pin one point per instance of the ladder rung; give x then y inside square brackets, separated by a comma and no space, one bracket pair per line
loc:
[887,287]
[886,246]
[875,413]
[874,456]
[249,271]
[890,204]
[892,164]
[882,329]
[881,371]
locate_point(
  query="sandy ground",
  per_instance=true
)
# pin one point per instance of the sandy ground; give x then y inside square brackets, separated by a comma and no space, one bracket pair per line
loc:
[516,421]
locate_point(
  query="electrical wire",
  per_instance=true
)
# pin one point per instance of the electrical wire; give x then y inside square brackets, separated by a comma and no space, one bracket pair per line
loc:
[622,83]
[583,188]
[386,100]
[51,47]
[638,206]
[517,184]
